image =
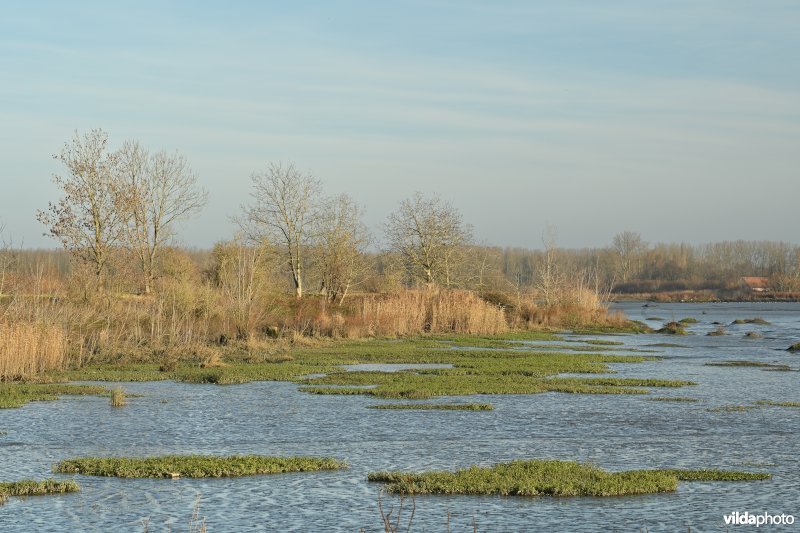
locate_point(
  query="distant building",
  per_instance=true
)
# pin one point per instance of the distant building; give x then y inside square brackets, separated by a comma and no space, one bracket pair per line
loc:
[755,284]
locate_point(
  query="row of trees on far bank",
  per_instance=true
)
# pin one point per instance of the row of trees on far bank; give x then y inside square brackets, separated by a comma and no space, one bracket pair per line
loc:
[130,200]
[121,208]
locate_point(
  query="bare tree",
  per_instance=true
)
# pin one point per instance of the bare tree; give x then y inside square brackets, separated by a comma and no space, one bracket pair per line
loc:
[550,279]
[240,271]
[284,203]
[629,247]
[341,239]
[159,190]
[429,234]
[86,220]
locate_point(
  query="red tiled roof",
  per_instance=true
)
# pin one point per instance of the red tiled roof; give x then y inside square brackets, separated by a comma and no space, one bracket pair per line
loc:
[755,282]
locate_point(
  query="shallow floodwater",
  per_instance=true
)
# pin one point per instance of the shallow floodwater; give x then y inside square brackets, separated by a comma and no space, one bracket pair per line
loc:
[616,432]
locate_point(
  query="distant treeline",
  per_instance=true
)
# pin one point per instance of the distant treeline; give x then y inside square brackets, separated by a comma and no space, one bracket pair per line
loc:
[658,268]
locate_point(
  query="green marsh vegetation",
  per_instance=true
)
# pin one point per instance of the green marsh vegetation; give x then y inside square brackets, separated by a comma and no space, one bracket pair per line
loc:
[718,332]
[35,488]
[474,371]
[549,478]
[479,372]
[678,399]
[603,342]
[673,328]
[688,320]
[435,406]
[794,347]
[194,466]
[752,364]
[757,320]
[732,408]
[13,394]
[773,403]
[757,405]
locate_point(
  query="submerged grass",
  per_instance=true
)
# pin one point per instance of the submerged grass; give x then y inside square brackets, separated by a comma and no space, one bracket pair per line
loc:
[756,364]
[435,406]
[732,408]
[29,487]
[674,399]
[194,466]
[15,394]
[773,403]
[603,342]
[548,478]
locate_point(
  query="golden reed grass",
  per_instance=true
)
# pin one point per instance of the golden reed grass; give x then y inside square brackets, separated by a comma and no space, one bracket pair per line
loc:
[28,348]
[436,311]
[576,307]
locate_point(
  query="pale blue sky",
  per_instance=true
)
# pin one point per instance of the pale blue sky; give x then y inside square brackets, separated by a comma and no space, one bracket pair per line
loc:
[677,119]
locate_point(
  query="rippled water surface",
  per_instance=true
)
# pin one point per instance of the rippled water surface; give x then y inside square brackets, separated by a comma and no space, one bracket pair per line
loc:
[615,432]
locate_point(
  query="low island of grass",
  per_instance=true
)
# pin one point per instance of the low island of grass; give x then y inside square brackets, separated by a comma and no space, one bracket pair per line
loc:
[194,466]
[549,478]
[14,395]
[29,487]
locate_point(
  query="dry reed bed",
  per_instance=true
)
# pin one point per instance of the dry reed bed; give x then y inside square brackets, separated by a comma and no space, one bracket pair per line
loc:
[27,349]
[439,311]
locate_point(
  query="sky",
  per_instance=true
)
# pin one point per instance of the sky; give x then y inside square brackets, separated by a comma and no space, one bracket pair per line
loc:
[676,119]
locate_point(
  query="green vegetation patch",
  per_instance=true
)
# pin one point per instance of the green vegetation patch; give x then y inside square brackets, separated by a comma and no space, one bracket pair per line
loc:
[794,347]
[757,320]
[29,487]
[523,374]
[435,406]
[773,403]
[194,466]
[482,370]
[716,475]
[17,394]
[547,478]
[756,364]
[666,345]
[603,342]
[673,328]
[674,399]
[688,320]
[732,408]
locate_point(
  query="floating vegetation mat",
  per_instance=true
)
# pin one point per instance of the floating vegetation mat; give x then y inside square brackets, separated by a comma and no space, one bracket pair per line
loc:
[35,488]
[549,478]
[674,399]
[194,466]
[14,394]
[435,406]
[757,364]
